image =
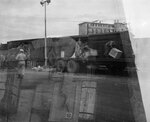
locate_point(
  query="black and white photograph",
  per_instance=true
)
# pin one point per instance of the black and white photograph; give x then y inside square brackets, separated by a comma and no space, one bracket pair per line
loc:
[74,61]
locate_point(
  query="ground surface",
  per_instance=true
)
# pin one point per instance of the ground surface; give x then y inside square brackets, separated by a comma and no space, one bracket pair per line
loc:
[113,101]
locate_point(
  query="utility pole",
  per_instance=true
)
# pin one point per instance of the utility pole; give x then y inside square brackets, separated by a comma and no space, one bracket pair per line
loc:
[44,3]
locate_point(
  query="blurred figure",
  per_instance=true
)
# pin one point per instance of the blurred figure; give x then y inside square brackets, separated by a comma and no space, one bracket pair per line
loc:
[21,57]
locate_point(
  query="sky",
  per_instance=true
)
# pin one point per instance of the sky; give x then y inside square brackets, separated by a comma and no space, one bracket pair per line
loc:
[138,17]
[24,19]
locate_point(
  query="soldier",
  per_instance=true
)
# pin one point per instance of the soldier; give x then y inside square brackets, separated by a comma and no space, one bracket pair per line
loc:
[21,57]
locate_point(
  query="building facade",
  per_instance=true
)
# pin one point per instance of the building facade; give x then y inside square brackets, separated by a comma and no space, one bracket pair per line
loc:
[90,28]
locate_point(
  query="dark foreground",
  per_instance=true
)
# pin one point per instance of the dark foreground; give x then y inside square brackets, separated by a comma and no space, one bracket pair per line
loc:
[63,97]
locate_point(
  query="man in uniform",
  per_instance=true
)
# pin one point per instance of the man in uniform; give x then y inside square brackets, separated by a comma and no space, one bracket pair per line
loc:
[21,57]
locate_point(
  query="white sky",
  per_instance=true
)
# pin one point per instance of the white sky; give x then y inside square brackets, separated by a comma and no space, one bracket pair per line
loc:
[137,14]
[24,19]
[21,19]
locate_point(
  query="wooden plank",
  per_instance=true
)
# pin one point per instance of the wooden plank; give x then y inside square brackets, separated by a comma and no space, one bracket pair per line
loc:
[77,101]
[63,100]
[91,100]
[89,84]
[87,103]
[16,82]
[3,76]
[68,89]
[55,114]
[15,94]
[11,94]
[15,91]
[43,96]
[41,103]
[15,100]
[1,94]
[2,86]
[83,100]
[24,107]
[78,77]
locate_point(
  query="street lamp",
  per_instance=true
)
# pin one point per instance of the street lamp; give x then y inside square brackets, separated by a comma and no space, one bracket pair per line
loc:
[44,3]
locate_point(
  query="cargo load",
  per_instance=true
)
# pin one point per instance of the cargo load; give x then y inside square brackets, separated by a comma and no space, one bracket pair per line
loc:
[109,50]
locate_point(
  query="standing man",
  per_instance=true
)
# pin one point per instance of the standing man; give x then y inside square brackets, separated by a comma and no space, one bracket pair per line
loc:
[21,57]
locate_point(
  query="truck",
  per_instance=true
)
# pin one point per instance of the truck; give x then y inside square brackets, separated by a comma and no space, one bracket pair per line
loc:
[112,51]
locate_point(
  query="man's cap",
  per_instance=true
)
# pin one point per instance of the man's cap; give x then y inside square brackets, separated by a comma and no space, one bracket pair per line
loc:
[21,50]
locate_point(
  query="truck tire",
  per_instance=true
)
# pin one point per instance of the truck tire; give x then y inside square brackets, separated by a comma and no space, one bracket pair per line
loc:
[72,66]
[60,65]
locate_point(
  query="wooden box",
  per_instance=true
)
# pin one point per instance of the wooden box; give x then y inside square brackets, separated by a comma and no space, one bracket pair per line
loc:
[115,53]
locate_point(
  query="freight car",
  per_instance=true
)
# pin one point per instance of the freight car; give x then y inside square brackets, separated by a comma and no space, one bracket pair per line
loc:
[110,50]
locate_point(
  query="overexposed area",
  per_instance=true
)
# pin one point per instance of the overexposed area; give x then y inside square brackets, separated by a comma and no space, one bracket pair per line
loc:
[138,18]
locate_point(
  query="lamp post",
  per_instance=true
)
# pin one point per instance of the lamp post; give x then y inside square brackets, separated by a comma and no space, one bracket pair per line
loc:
[44,3]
